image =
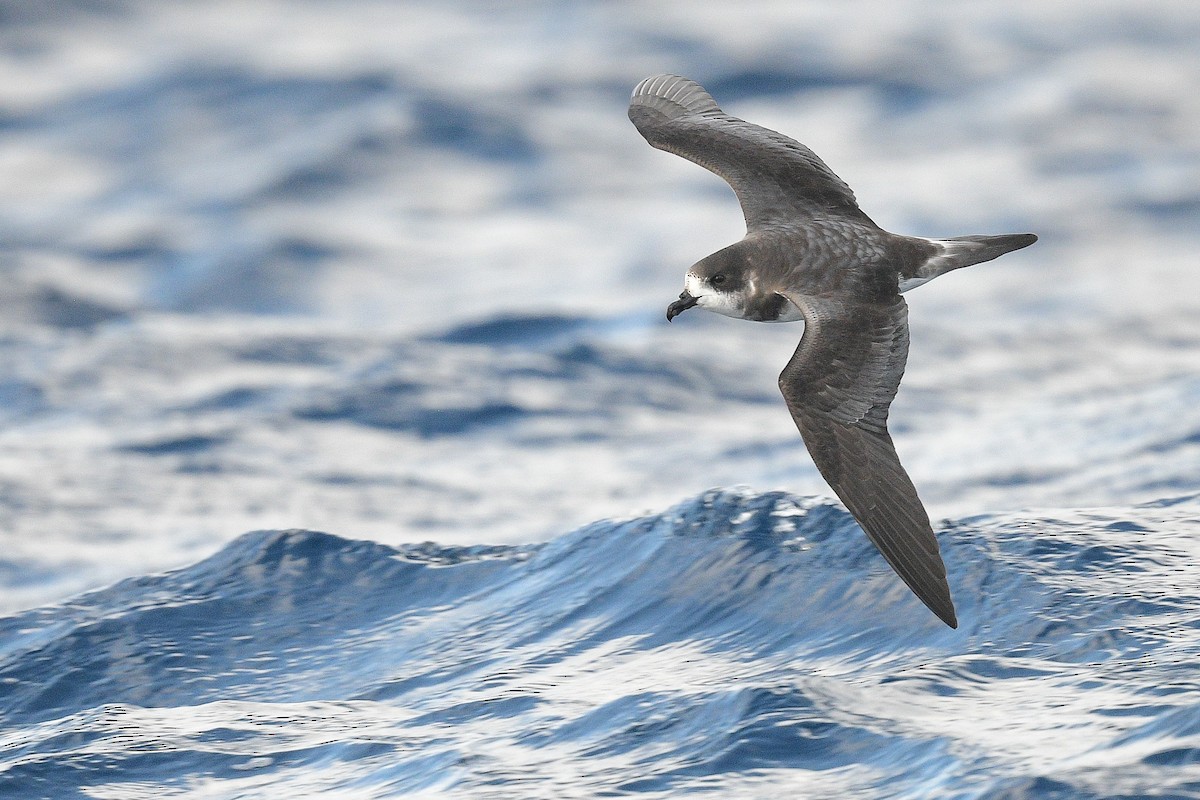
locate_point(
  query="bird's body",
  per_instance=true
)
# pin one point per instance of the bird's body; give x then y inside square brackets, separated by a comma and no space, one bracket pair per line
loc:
[811,253]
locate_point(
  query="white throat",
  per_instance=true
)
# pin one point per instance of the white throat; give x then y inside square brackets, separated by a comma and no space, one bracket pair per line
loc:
[729,304]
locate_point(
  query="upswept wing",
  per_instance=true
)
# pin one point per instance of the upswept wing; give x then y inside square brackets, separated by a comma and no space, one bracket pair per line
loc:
[775,177]
[838,387]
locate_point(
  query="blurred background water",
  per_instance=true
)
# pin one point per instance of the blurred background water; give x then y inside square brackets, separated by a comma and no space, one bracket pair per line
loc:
[397,270]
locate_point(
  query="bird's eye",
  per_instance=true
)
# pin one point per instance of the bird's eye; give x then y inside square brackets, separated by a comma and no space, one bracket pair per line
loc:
[717,280]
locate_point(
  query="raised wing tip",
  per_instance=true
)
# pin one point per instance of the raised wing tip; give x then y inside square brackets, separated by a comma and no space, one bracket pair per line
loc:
[672,96]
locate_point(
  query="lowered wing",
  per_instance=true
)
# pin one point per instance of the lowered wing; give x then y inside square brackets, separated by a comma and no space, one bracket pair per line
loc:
[838,387]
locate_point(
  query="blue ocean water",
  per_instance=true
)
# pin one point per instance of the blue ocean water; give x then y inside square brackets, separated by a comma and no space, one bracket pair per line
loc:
[397,271]
[740,644]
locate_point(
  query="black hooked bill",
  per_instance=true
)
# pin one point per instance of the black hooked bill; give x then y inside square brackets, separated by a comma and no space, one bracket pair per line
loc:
[684,302]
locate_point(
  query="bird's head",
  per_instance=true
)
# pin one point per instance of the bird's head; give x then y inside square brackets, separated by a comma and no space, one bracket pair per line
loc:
[717,283]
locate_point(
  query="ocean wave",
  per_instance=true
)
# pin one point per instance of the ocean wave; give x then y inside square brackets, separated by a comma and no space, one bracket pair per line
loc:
[740,642]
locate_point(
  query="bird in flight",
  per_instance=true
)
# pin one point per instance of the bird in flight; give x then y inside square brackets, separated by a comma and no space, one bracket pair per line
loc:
[810,253]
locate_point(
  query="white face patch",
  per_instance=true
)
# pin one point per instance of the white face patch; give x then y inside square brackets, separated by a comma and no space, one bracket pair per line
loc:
[729,304]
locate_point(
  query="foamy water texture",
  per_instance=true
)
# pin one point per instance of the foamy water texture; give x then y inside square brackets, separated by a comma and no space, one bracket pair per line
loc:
[397,272]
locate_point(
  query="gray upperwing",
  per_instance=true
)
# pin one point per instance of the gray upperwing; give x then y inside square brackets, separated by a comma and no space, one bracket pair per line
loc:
[838,387]
[775,177]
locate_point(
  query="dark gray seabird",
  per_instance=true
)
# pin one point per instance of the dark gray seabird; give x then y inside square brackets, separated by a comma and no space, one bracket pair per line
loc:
[810,253]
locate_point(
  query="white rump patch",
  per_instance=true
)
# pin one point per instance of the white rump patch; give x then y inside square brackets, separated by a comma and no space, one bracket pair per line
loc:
[912,283]
[948,257]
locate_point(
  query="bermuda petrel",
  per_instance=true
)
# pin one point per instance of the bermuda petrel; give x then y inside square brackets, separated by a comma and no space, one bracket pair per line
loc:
[810,253]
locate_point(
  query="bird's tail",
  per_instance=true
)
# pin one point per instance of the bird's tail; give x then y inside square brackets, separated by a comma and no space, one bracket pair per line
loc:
[963,251]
